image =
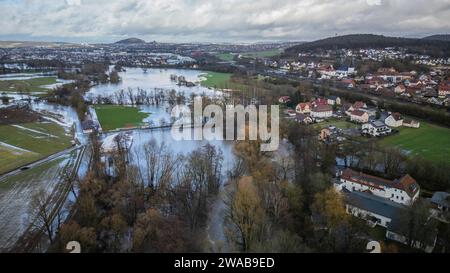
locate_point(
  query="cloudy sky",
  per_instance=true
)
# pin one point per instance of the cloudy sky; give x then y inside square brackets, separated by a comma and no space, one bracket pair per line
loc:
[218,21]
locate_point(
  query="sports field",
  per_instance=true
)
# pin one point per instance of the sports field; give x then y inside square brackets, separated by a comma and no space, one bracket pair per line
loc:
[115,117]
[430,141]
[24,143]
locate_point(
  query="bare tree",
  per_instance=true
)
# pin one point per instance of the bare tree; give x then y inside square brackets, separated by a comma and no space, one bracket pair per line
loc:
[41,212]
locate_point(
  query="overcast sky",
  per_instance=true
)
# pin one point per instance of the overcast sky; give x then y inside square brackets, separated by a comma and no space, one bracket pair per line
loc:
[218,21]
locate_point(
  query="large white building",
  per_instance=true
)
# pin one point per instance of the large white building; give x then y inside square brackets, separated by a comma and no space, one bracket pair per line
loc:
[402,191]
[322,112]
[376,129]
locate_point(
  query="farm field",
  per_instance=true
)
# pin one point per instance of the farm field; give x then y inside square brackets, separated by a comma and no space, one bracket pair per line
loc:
[27,86]
[25,143]
[430,141]
[114,117]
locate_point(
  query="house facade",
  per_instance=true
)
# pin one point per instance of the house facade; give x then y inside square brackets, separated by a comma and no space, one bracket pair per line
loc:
[322,112]
[359,116]
[303,108]
[403,191]
[333,100]
[376,129]
[394,120]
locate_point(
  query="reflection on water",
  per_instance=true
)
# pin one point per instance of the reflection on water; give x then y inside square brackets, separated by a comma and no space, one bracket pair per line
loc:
[159,79]
[142,137]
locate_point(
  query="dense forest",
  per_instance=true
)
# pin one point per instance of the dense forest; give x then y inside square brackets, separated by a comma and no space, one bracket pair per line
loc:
[435,48]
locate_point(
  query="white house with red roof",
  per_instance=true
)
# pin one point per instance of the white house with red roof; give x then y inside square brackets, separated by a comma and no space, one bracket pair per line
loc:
[359,116]
[303,108]
[394,120]
[403,191]
[322,111]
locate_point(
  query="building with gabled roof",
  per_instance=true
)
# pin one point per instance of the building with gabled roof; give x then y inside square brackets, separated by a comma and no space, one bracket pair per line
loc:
[403,191]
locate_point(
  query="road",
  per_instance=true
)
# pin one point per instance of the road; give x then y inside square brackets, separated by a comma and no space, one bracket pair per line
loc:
[40,162]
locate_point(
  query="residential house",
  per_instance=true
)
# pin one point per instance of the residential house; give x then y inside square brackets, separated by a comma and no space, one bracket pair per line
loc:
[303,108]
[334,100]
[322,112]
[400,89]
[319,101]
[444,89]
[325,134]
[348,83]
[357,106]
[376,129]
[345,71]
[327,71]
[403,191]
[394,120]
[359,116]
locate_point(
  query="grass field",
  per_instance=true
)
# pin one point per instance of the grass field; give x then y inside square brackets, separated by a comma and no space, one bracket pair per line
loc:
[114,117]
[430,141]
[227,57]
[262,54]
[25,143]
[217,80]
[27,86]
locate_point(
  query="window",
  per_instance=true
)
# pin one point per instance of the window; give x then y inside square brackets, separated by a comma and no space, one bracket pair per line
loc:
[403,198]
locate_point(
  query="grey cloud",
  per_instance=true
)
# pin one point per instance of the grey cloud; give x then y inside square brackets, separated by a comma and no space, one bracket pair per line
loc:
[236,20]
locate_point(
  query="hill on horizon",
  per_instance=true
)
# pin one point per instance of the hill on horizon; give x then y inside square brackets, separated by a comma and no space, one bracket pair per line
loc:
[130,41]
[431,47]
[438,37]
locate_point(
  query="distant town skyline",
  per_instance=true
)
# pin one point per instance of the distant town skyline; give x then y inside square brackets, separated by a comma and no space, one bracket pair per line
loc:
[102,21]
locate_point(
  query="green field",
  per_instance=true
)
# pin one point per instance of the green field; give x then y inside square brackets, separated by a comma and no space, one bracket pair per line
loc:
[430,141]
[115,117]
[217,80]
[27,86]
[30,142]
[227,57]
[262,54]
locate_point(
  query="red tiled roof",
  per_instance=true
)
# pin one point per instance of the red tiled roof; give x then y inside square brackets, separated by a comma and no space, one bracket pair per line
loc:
[322,108]
[406,183]
[358,113]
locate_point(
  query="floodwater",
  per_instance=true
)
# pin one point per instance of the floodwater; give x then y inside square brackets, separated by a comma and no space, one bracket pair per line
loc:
[154,79]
